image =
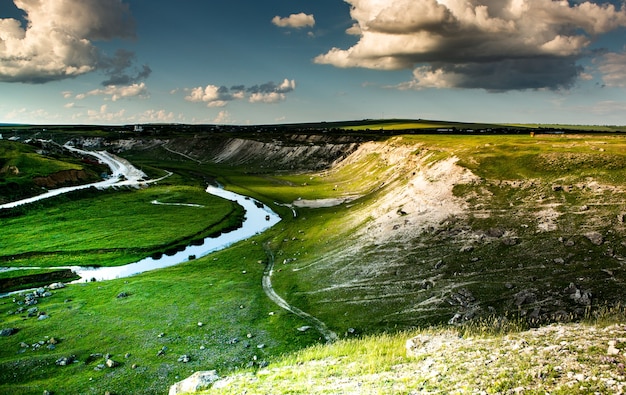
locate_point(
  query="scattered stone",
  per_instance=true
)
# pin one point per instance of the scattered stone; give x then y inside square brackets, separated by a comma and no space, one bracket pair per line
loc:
[43,316]
[99,367]
[559,261]
[111,363]
[195,382]
[584,207]
[53,340]
[509,286]
[127,355]
[46,392]
[133,366]
[621,217]
[612,350]
[249,336]
[509,241]
[595,238]
[580,296]
[466,249]
[32,311]
[8,331]
[24,345]
[304,328]
[54,286]
[161,335]
[161,351]
[557,188]
[64,361]
[200,324]
[233,341]
[259,346]
[525,296]
[184,358]
[122,295]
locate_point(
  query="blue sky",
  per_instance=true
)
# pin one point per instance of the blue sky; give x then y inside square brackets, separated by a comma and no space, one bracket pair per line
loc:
[277,61]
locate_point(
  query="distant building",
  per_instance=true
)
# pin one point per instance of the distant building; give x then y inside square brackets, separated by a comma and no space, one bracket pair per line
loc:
[138,128]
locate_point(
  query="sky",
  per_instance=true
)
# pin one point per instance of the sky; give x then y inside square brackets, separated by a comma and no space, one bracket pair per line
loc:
[115,62]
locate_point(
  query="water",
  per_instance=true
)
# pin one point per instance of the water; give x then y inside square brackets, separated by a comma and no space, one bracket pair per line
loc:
[258,218]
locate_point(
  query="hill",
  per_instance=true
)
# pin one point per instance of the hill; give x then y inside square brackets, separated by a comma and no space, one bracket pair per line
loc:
[380,234]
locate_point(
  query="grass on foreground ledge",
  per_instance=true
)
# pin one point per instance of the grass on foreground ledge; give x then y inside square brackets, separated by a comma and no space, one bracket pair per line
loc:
[484,357]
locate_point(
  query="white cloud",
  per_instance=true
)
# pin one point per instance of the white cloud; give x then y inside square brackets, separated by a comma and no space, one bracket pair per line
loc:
[119,92]
[220,96]
[57,42]
[460,42]
[613,68]
[223,117]
[158,116]
[296,21]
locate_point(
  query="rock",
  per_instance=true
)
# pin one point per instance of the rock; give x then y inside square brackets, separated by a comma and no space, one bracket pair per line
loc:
[53,340]
[595,238]
[559,261]
[122,295]
[200,324]
[43,316]
[111,363]
[54,286]
[620,218]
[304,328]
[64,361]
[612,350]
[32,311]
[466,249]
[260,346]
[557,188]
[8,331]
[524,297]
[195,382]
[495,232]
[184,358]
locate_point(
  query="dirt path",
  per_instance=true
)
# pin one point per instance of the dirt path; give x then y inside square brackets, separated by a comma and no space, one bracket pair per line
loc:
[329,335]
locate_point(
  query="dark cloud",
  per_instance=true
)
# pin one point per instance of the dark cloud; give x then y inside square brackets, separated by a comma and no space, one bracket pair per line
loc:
[495,45]
[120,69]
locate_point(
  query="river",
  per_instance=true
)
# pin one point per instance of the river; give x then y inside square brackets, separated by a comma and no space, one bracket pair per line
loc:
[258,218]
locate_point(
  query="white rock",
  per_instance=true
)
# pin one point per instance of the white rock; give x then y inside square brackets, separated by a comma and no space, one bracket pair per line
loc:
[195,382]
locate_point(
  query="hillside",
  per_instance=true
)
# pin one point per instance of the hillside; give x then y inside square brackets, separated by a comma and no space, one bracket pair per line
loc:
[379,235]
[555,359]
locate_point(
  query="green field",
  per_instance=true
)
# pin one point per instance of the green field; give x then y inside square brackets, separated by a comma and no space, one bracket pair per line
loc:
[514,238]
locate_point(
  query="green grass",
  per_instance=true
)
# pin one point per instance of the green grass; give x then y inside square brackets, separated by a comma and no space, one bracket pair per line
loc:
[109,228]
[516,175]
[89,318]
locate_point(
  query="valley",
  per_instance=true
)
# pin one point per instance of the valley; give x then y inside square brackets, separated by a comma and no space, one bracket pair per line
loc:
[381,233]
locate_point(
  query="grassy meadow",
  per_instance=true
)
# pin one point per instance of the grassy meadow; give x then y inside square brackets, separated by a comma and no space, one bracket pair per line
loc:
[537,191]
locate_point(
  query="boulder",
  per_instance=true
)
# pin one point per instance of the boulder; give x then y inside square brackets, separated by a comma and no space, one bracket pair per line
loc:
[7,331]
[56,286]
[195,382]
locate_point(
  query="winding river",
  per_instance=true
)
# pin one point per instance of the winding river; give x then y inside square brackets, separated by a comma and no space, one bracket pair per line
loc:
[258,218]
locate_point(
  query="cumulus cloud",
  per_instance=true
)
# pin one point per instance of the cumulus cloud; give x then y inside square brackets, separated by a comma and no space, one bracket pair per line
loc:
[58,41]
[296,21]
[220,96]
[492,44]
[118,92]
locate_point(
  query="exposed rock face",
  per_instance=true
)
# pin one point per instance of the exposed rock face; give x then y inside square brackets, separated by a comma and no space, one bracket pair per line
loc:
[195,382]
[63,177]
